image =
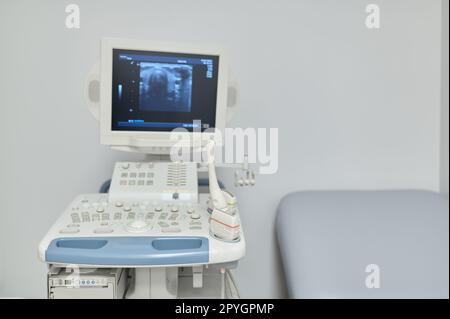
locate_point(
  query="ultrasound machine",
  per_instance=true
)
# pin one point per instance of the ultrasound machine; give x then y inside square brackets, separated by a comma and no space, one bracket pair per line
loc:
[155,233]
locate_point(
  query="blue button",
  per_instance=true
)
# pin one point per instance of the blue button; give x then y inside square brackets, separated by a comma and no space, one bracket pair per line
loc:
[83,282]
[93,282]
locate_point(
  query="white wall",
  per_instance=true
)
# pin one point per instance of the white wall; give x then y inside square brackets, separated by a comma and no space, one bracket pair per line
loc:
[355,108]
[444,102]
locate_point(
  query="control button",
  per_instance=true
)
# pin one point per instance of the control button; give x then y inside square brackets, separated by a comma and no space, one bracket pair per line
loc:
[103,230]
[141,175]
[149,182]
[95,217]
[195,216]
[163,224]
[190,210]
[104,224]
[119,204]
[163,216]
[117,216]
[158,209]
[123,182]
[125,165]
[195,227]
[131,215]
[149,215]
[132,183]
[100,209]
[105,216]
[174,209]
[171,230]
[69,231]
[133,175]
[124,175]
[150,175]
[174,223]
[140,215]
[85,217]
[141,183]
[127,208]
[195,222]
[74,225]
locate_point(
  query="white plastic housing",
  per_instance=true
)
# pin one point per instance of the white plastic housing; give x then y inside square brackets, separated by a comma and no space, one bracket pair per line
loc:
[148,141]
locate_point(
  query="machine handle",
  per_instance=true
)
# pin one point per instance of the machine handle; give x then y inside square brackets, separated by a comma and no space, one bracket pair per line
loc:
[128,251]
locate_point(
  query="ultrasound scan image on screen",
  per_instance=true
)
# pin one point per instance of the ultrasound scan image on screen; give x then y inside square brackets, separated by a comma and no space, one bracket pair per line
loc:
[162,91]
[165,87]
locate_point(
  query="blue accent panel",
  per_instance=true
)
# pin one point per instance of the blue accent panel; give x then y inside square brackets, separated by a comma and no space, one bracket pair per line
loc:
[201,182]
[81,244]
[105,187]
[175,244]
[128,250]
[205,182]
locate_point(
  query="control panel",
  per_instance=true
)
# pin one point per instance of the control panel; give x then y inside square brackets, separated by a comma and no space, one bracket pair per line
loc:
[94,214]
[94,231]
[160,181]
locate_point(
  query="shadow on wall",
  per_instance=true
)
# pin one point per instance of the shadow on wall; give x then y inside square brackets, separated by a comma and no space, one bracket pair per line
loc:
[280,267]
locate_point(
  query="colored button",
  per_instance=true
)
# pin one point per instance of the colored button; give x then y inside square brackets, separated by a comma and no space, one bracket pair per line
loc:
[103,230]
[171,230]
[69,231]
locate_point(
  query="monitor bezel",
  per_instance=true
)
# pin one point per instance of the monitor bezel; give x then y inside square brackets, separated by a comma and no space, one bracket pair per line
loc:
[145,141]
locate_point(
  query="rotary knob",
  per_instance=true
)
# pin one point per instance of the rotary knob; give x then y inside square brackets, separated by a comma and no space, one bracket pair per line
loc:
[138,226]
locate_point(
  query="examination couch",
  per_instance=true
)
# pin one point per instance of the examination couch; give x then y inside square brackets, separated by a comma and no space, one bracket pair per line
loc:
[364,244]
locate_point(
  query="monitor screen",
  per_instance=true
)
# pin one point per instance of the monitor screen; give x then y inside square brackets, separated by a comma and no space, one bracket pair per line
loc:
[161,91]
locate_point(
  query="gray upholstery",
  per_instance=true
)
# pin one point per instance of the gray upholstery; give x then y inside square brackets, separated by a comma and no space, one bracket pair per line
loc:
[327,238]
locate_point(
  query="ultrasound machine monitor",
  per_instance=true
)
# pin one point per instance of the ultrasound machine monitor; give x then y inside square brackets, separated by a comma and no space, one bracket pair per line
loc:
[150,89]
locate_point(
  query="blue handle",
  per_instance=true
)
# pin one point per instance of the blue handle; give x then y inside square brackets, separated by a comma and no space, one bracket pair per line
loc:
[128,251]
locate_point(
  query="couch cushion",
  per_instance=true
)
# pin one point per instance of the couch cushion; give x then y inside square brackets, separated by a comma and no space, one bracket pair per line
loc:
[328,238]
